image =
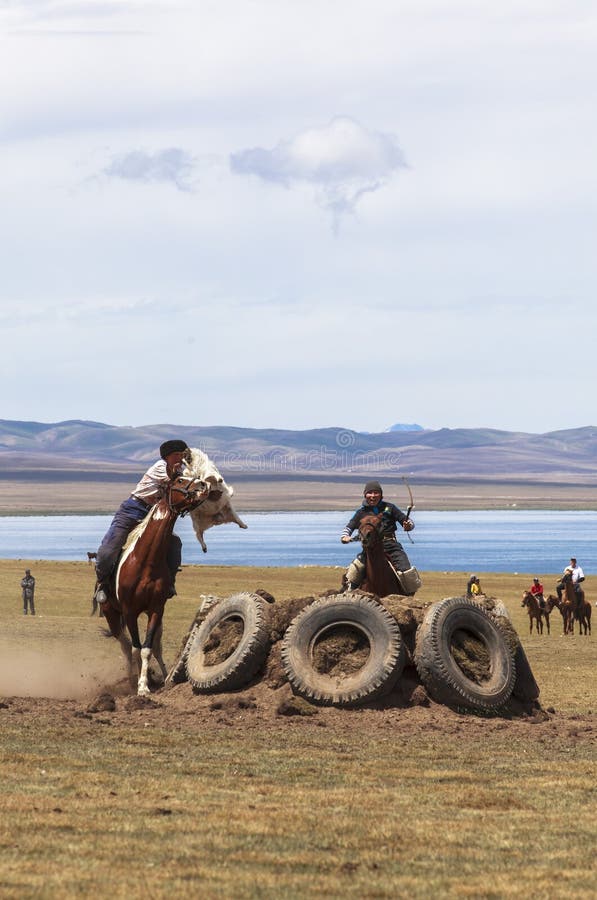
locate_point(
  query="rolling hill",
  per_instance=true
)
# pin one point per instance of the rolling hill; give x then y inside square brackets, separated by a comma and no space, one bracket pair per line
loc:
[82,449]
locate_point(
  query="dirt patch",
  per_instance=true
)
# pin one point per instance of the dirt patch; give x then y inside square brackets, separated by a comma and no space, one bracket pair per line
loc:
[223,641]
[471,656]
[342,651]
[407,710]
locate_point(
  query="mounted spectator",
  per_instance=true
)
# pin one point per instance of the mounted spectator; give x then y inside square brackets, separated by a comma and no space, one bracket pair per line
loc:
[537,591]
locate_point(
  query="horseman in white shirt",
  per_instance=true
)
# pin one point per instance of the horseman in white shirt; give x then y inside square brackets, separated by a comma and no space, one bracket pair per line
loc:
[577,577]
[134,509]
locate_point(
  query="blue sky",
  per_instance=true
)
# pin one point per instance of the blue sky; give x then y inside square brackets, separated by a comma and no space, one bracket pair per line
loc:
[299,214]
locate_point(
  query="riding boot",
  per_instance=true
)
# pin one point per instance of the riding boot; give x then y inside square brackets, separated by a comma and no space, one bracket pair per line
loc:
[100,596]
[354,574]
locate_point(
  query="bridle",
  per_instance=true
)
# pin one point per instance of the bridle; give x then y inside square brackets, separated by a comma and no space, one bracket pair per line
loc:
[372,526]
[187,492]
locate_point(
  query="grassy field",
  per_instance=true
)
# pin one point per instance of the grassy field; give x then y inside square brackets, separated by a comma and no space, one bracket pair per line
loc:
[159,800]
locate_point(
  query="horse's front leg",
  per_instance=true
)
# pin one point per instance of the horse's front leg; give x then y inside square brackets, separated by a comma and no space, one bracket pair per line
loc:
[157,650]
[154,630]
[137,661]
[114,620]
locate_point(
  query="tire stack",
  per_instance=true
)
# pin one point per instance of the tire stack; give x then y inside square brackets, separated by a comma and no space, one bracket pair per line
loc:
[350,649]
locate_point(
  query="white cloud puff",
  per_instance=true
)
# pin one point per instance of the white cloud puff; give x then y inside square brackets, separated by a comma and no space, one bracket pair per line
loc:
[342,159]
[171,165]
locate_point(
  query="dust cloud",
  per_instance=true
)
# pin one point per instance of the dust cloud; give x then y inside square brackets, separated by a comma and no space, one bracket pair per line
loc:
[58,674]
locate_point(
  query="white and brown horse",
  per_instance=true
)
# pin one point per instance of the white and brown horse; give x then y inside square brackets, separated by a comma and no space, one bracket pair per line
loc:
[143,579]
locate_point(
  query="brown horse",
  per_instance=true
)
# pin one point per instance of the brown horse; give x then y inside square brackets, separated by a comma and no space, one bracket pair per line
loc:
[537,612]
[380,577]
[584,622]
[574,606]
[143,579]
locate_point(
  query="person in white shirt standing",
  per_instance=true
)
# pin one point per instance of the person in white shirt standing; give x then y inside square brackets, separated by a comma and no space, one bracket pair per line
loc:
[133,510]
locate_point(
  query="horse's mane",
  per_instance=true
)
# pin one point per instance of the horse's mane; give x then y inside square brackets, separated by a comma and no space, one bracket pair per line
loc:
[370,515]
[134,536]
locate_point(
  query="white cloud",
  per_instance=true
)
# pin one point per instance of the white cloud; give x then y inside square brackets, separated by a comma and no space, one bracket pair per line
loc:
[342,159]
[485,242]
[171,165]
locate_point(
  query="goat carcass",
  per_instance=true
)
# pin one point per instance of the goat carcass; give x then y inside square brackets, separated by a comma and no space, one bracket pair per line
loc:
[217,509]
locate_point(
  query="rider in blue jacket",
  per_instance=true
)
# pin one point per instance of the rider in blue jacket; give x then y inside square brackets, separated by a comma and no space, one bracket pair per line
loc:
[391,517]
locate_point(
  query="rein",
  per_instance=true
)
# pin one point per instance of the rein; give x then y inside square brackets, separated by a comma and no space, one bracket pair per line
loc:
[186,493]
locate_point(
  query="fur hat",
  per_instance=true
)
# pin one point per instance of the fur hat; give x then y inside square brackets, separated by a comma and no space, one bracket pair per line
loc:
[174,446]
[373,486]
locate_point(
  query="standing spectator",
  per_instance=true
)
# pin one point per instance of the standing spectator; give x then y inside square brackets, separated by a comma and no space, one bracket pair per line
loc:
[28,588]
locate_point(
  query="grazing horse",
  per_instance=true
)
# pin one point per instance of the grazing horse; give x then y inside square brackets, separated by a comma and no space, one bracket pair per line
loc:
[380,576]
[143,579]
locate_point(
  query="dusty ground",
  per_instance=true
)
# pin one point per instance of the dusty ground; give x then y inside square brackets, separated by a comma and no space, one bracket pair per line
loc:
[261,706]
[268,702]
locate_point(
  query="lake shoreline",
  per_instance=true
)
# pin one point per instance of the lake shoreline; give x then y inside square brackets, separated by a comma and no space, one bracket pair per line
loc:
[96,497]
[454,540]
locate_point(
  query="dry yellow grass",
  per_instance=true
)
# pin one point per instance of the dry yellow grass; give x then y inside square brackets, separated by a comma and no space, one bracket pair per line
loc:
[378,803]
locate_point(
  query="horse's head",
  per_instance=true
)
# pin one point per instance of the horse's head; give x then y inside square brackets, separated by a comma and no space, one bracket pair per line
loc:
[369,532]
[526,596]
[186,493]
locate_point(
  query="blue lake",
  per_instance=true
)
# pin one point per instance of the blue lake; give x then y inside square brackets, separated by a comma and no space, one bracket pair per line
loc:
[526,541]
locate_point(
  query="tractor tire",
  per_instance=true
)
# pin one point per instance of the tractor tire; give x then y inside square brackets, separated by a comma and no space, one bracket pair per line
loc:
[451,631]
[364,621]
[211,666]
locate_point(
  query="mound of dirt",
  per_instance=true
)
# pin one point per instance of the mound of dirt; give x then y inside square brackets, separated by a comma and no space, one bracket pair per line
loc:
[343,650]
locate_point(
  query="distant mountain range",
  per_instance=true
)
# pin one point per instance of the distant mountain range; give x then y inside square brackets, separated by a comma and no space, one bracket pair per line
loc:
[80,449]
